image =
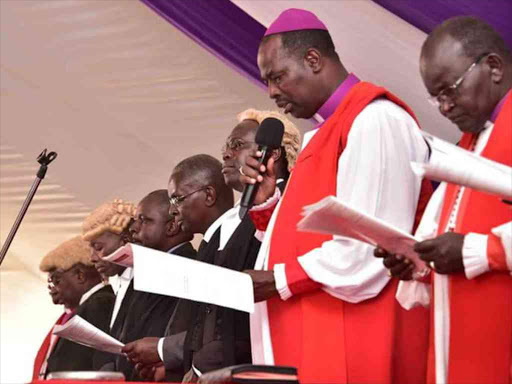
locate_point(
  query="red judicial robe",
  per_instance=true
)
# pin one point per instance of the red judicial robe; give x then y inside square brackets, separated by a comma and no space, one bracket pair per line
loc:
[45,346]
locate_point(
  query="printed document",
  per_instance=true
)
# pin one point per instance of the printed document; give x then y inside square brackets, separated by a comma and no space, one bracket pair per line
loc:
[82,332]
[331,216]
[458,166]
[167,274]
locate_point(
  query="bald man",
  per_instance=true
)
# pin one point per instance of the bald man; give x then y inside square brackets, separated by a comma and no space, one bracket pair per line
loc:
[467,70]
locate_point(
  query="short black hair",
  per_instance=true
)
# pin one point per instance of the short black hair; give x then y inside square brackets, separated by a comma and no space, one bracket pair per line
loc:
[476,36]
[203,170]
[161,198]
[298,42]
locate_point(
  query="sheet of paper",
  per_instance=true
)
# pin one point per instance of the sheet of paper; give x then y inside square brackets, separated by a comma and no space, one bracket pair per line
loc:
[456,165]
[122,256]
[332,216]
[172,275]
[82,332]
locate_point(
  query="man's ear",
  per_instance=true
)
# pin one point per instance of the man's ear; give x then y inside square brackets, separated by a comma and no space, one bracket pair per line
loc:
[211,196]
[314,60]
[80,275]
[277,154]
[495,63]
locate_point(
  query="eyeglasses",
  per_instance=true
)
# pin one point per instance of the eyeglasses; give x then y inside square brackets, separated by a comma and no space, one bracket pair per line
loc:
[175,201]
[450,93]
[54,278]
[236,144]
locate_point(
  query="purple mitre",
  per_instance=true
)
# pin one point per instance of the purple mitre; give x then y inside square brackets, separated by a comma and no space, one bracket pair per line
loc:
[294,19]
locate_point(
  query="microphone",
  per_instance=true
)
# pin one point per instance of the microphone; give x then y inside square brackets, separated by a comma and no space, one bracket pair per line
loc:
[268,137]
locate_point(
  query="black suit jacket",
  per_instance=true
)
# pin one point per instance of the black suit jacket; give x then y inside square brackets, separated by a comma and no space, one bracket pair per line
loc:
[147,315]
[70,356]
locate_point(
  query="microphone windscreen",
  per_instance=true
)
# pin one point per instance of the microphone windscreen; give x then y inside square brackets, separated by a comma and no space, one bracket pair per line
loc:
[270,133]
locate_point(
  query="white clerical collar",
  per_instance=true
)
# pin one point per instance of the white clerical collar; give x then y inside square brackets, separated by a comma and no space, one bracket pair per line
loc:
[229,225]
[91,292]
[127,274]
[215,225]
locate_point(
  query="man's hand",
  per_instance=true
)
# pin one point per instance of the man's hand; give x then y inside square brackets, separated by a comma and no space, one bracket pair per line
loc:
[398,266]
[264,284]
[444,253]
[143,351]
[265,175]
[151,372]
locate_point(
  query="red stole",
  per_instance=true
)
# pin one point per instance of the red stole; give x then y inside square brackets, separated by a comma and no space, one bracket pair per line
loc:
[43,349]
[327,339]
[481,308]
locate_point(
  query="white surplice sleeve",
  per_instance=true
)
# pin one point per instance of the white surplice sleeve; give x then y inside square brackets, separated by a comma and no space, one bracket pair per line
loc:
[374,175]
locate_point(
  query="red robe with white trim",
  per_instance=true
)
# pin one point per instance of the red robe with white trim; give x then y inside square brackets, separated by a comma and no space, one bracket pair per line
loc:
[43,349]
[481,308]
[327,339]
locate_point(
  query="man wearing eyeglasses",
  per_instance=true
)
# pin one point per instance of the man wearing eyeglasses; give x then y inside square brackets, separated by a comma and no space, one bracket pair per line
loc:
[220,337]
[467,69]
[79,286]
[198,198]
[237,250]
[145,314]
[50,340]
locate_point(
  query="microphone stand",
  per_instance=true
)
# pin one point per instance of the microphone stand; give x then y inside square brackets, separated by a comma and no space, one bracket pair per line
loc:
[43,159]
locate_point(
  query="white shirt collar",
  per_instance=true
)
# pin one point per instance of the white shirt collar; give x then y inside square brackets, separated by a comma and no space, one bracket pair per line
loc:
[91,292]
[176,247]
[483,137]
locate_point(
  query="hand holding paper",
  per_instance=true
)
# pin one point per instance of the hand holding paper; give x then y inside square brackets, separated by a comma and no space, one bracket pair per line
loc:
[332,216]
[82,332]
[456,165]
[121,256]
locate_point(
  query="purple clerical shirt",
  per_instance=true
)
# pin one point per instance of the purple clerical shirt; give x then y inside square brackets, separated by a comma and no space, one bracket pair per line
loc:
[328,108]
[498,107]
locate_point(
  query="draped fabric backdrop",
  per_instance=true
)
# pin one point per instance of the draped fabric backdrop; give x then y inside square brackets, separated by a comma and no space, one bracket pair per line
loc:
[124,90]
[232,35]
[220,27]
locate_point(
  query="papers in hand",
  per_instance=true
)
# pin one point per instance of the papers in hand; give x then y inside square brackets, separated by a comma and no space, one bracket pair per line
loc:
[122,256]
[82,332]
[456,165]
[332,216]
[167,274]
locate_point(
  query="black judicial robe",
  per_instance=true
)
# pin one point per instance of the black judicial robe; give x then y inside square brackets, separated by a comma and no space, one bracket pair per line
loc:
[70,356]
[147,315]
[185,309]
[219,337]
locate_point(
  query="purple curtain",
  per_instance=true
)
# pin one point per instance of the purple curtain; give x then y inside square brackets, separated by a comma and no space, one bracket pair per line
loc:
[233,36]
[218,26]
[426,14]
